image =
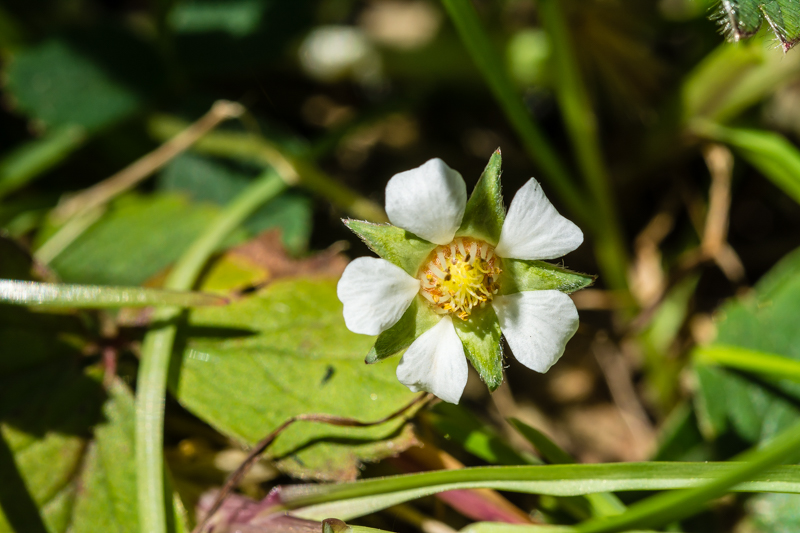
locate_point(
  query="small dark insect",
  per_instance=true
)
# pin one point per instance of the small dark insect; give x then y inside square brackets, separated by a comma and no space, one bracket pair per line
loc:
[329,372]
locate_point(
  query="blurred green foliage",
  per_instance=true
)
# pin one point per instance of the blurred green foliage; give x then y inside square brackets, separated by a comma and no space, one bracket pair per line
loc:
[612,106]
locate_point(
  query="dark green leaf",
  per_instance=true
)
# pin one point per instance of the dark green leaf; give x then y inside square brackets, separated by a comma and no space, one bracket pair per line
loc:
[286,351]
[521,275]
[90,79]
[208,180]
[418,318]
[485,212]
[394,244]
[480,335]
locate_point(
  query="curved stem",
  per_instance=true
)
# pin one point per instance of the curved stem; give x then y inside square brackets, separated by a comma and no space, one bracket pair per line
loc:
[157,349]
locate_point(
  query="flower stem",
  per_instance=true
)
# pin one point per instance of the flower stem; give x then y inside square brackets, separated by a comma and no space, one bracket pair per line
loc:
[158,344]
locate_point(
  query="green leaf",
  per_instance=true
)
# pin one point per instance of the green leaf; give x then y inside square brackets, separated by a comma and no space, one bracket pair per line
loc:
[480,335]
[54,479]
[96,296]
[27,162]
[763,322]
[90,79]
[485,212]
[521,275]
[394,244]
[351,500]
[207,180]
[739,18]
[139,237]
[282,352]
[769,152]
[418,318]
[742,18]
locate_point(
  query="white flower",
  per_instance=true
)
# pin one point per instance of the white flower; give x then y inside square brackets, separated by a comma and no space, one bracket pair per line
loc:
[462,273]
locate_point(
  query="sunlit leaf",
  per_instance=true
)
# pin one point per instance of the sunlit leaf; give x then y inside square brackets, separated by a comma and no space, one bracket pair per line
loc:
[285,351]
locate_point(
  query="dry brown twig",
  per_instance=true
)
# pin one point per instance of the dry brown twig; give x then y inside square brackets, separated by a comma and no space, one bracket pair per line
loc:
[237,475]
[130,176]
[714,246]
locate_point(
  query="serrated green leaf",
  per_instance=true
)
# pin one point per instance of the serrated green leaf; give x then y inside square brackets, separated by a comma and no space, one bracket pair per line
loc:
[485,212]
[739,18]
[521,275]
[742,18]
[394,244]
[417,319]
[282,352]
[96,296]
[480,335]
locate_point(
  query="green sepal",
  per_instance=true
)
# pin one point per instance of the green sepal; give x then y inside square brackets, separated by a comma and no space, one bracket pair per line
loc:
[418,318]
[394,244]
[521,275]
[485,212]
[480,334]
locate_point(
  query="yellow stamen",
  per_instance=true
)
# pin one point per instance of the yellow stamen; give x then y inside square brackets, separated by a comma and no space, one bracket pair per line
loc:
[460,276]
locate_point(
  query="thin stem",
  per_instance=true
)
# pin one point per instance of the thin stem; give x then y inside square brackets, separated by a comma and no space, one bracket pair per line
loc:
[581,123]
[671,506]
[143,167]
[157,349]
[293,169]
[535,142]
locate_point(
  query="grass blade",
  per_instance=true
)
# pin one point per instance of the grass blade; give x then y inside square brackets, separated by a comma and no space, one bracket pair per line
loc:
[350,500]
[768,364]
[535,142]
[98,296]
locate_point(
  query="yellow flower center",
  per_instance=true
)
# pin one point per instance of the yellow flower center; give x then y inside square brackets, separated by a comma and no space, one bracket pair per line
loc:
[460,276]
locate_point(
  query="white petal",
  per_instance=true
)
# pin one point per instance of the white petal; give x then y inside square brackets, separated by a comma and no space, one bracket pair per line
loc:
[533,228]
[428,201]
[537,325]
[436,363]
[375,294]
